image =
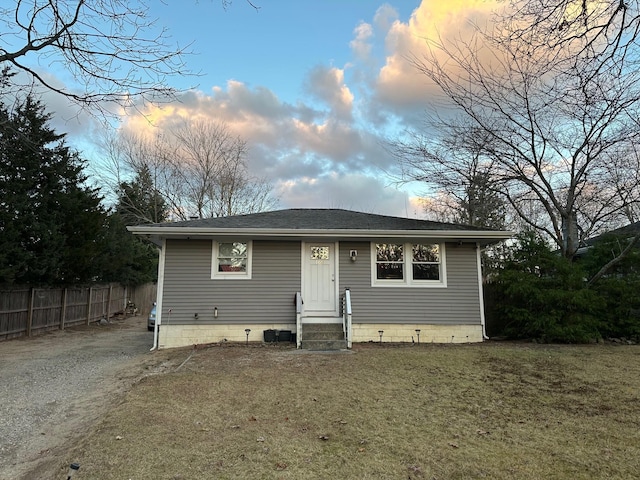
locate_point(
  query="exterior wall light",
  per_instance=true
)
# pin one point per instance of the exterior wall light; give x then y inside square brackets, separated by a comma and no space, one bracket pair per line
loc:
[215,312]
[353,254]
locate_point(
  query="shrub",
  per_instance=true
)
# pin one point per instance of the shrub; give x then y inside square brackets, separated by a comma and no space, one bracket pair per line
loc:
[541,295]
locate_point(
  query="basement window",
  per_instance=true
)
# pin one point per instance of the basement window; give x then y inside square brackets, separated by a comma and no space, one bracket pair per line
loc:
[231,260]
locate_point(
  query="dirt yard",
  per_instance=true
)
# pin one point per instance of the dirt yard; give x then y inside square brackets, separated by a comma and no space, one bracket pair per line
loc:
[495,410]
[53,387]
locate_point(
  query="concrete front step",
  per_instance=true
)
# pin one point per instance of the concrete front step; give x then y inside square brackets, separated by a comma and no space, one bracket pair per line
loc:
[322,331]
[323,345]
[322,336]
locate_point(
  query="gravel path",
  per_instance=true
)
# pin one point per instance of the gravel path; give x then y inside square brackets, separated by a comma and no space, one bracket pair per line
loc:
[52,387]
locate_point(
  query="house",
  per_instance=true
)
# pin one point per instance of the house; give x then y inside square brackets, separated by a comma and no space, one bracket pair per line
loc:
[626,232]
[369,277]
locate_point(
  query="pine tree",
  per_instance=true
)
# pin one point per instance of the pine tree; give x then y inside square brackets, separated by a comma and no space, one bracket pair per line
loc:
[51,224]
[139,201]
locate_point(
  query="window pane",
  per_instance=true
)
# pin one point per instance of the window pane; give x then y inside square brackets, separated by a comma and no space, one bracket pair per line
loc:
[389,252]
[426,271]
[232,264]
[426,253]
[319,253]
[390,271]
[236,249]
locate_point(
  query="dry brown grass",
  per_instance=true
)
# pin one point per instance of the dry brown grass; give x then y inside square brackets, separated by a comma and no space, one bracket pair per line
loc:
[516,411]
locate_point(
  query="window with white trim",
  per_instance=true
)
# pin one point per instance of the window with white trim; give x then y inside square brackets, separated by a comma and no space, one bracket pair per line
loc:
[231,260]
[408,264]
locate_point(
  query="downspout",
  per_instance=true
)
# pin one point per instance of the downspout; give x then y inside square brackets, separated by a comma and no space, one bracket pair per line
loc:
[481,292]
[159,293]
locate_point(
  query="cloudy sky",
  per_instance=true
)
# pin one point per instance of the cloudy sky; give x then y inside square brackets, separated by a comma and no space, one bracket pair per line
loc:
[314,87]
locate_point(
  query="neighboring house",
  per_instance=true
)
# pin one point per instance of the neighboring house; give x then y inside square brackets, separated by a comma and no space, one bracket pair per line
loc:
[626,232]
[373,277]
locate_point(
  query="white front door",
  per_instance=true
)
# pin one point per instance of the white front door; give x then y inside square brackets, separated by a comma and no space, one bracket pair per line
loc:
[319,278]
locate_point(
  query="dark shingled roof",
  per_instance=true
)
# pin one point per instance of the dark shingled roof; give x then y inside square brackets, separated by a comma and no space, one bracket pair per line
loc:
[318,219]
[627,231]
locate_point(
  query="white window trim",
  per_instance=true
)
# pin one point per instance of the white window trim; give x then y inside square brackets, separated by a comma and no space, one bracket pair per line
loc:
[408,281]
[215,274]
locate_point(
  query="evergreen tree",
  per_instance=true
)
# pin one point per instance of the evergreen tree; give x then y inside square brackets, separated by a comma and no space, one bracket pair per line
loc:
[127,259]
[140,201]
[51,224]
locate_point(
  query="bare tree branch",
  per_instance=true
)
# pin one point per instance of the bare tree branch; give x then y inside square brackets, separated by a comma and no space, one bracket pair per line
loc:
[554,92]
[114,51]
[616,260]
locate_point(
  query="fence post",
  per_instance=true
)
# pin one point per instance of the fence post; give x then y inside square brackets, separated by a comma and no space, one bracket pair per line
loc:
[109,301]
[89,306]
[32,294]
[63,310]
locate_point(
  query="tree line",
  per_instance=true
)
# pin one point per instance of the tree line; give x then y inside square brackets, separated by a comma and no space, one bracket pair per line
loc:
[54,226]
[536,129]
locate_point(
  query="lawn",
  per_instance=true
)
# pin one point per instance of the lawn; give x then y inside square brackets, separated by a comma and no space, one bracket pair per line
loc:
[516,411]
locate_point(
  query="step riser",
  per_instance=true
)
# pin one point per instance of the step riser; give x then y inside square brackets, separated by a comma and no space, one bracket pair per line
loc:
[319,327]
[323,345]
[323,336]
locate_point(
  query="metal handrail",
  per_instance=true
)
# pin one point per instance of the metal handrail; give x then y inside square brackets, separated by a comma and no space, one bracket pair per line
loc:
[299,307]
[346,316]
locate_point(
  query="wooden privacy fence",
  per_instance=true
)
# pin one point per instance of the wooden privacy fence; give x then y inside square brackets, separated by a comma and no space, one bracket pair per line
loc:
[29,311]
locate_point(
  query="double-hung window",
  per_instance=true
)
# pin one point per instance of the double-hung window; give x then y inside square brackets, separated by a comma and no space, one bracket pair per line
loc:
[231,260]
[408,264]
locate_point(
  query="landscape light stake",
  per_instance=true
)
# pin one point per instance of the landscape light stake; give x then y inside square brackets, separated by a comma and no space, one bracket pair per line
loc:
[380,332]
[418,334]
[73,468]
[247,330]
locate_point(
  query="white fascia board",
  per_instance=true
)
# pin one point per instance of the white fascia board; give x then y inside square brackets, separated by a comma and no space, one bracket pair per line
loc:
[182,232]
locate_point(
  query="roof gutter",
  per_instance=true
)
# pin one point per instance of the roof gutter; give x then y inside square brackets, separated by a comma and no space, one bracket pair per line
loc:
[319,233]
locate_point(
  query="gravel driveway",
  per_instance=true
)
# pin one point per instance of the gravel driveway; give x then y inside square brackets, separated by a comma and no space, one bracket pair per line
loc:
[53,386]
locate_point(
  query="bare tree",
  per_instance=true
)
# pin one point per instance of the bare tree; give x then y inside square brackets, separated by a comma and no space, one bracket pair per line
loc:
[113,49]
[552,113]
[199,168]
[467,191]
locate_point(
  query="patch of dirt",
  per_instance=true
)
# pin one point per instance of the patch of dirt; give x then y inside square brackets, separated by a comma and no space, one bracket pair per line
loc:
[55,386]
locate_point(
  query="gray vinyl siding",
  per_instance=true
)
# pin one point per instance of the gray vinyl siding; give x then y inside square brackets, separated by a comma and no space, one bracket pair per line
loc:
[457,304]
[268,297]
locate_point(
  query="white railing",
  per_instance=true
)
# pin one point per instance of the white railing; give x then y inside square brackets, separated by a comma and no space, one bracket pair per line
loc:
[346,316]
[299,307]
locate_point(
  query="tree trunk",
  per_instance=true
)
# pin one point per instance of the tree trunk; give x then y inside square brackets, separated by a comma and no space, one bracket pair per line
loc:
[570,240]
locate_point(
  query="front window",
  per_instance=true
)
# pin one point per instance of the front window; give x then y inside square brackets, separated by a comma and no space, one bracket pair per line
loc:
[408,264]
[426,262]
[231,260]
[389,261]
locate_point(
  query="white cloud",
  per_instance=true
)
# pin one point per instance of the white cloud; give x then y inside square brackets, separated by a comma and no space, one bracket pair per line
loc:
[351,191]
[360,45]
[400,88]
[327,85]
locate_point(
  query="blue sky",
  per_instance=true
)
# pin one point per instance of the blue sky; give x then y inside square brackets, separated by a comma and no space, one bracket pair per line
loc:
[314,87]
[273,46]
